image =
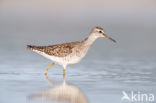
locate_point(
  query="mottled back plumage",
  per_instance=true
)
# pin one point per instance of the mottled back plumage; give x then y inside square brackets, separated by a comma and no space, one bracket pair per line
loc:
[59,50]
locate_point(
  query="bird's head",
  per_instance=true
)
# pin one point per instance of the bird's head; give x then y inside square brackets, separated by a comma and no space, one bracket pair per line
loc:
[99,32]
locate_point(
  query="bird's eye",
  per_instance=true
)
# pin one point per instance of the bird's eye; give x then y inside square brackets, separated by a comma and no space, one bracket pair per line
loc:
[100,31]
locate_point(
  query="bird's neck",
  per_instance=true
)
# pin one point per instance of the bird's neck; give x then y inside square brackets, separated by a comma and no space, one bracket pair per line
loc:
[90,39]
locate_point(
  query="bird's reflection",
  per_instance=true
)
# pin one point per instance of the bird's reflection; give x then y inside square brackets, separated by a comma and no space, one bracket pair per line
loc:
[61,92]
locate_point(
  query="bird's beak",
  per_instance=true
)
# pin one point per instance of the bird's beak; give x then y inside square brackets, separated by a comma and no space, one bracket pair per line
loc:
[109,38]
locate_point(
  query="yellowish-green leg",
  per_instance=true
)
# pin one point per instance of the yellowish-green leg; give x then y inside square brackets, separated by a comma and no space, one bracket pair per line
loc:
[45,72]
[64,73]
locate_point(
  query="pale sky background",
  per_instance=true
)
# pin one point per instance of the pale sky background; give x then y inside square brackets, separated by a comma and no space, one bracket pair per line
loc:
[44,22]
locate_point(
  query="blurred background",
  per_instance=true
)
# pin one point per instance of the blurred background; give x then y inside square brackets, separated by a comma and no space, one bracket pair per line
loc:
[132,23]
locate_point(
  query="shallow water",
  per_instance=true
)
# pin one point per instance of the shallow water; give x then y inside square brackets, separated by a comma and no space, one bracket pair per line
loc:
[96,81]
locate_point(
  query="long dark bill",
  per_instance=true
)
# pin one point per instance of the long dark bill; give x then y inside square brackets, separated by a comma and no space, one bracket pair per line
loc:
[112,39]
[109,38]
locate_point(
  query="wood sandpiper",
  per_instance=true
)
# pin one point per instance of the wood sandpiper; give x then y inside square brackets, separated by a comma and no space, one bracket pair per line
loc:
[69,53]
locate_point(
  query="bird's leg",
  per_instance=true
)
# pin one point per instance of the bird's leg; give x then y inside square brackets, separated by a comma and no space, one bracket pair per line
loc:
[45,72]
[64,73]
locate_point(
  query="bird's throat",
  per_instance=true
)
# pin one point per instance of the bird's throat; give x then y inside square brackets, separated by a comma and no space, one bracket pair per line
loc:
[90,39]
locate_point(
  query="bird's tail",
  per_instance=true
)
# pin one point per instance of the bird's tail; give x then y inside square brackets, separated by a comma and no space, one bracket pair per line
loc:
[30,47]
[35,48]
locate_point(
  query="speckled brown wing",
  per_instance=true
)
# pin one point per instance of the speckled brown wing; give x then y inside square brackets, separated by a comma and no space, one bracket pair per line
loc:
[60,50]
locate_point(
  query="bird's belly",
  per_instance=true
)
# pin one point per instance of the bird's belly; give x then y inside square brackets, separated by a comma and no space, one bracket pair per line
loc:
[73,60]
[65,60]
[55,59]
